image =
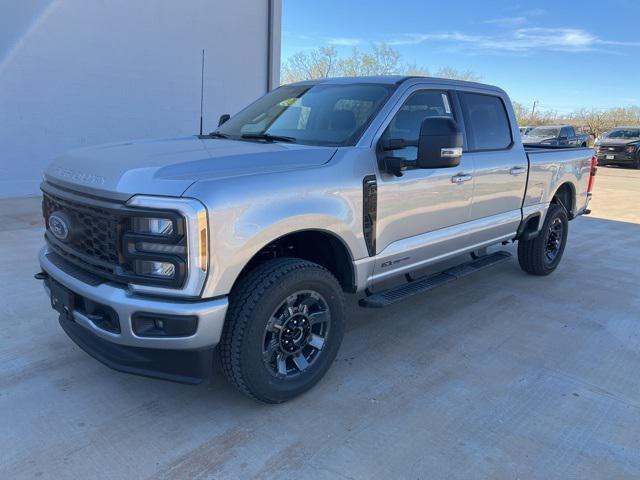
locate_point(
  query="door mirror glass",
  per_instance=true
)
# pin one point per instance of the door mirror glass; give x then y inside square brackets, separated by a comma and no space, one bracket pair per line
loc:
[440,143]
[223,118]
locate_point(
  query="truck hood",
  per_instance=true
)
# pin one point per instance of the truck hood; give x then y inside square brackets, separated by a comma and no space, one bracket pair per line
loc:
[535,139]
[170,166]
[614,142]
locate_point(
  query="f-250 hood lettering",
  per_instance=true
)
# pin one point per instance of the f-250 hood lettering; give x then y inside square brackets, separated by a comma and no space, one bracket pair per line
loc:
[170,166]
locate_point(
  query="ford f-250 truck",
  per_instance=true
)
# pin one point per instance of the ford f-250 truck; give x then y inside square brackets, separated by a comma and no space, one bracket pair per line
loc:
[246,239]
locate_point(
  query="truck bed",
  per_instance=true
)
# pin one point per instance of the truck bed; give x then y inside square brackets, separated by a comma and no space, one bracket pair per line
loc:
[550,167]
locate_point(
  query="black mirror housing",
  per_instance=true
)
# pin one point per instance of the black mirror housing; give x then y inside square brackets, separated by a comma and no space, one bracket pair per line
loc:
[223,118]
[440,143]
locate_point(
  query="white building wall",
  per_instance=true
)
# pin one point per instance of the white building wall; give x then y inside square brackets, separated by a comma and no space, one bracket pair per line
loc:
[80,72]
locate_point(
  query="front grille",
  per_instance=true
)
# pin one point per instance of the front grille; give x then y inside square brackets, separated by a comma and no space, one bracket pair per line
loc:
[100,237]
[94,241]
[611,149]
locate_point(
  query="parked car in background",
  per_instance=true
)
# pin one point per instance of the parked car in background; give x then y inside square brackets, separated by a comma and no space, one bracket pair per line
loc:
[524,130]
[247,238]
[555,135]
[620,146]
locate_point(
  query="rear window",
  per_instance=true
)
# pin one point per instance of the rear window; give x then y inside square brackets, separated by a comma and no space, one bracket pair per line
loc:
[627,134]
[486,121]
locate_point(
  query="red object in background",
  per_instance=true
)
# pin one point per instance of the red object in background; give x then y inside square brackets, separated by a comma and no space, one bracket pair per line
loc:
[592,176]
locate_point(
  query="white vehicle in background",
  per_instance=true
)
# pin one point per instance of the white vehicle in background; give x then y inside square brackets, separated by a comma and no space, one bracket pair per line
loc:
[525,130]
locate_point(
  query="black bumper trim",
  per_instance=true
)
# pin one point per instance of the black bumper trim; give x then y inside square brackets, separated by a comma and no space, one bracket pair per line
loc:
[182,366]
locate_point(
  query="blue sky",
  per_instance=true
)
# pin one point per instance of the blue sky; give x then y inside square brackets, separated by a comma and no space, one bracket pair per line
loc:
[564,54]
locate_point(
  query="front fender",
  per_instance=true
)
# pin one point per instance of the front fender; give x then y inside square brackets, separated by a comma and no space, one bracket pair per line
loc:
[245,217]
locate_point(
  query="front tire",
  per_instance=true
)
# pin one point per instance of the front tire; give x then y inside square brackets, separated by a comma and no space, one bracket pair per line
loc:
[283,330]
[542,254]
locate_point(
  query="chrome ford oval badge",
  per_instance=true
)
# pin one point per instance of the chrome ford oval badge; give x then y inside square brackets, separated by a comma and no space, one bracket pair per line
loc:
[60,226]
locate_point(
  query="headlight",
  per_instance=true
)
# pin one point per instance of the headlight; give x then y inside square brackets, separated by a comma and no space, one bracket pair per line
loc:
[153,226]
[167,245]
[155,269]
[632,148]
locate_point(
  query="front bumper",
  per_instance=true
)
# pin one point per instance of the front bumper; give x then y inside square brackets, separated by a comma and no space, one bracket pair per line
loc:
[185,359]
[618,158]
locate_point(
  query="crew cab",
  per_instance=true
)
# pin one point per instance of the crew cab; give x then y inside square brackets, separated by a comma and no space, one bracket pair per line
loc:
[242,242]
[620,146]
[555,135]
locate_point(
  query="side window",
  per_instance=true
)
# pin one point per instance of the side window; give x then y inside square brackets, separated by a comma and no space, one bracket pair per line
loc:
[487,122]
[408,120]
[571,133]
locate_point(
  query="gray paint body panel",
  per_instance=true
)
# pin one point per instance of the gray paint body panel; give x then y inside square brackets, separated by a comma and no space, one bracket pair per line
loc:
[258,192]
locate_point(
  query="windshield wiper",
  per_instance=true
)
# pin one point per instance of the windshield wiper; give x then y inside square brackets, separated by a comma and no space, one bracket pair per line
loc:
[269,138]
[218,135]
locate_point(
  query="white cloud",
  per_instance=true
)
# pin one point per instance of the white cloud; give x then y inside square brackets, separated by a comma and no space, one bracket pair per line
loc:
[521,40]
[345,41]
[507,21]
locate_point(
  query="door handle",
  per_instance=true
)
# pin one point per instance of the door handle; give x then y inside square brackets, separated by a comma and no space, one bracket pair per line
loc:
[461,178]
[517,170]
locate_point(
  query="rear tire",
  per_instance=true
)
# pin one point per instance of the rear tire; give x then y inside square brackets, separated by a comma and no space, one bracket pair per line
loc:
[542,254]
[283,329]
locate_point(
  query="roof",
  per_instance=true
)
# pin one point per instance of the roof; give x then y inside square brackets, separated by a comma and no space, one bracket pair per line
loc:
[393,80]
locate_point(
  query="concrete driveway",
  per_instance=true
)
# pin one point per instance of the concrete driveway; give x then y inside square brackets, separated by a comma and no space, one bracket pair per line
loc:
[501,375]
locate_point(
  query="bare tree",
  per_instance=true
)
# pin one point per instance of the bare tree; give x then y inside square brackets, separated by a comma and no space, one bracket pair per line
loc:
[452,73]
[596,121]
[319,63]
[381,59]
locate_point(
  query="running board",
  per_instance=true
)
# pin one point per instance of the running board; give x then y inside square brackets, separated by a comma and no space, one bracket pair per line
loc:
[429,282]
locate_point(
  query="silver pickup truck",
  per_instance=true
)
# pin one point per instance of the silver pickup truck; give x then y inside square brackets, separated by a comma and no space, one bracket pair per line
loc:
[246,239]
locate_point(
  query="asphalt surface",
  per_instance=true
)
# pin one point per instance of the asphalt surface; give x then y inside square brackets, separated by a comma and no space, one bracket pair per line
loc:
[499,375]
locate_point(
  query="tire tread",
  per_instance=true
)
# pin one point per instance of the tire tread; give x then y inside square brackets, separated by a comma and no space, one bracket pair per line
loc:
[244,299]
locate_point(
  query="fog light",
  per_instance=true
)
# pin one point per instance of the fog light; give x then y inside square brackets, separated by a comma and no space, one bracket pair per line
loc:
[161,325]
[155,269]
[153,226]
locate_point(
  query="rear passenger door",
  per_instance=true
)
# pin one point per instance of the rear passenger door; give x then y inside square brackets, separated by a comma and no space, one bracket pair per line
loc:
[500,170]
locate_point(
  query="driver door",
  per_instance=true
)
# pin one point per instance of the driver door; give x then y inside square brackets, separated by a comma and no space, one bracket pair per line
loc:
[421,215]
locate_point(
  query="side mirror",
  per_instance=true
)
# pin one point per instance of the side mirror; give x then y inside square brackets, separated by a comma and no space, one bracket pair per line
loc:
[440,143]
[223,118]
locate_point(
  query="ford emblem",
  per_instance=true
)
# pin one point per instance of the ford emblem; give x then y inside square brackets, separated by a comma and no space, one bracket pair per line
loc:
[60,226]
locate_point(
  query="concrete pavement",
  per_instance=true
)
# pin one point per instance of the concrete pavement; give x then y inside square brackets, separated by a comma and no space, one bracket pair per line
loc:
[499,375]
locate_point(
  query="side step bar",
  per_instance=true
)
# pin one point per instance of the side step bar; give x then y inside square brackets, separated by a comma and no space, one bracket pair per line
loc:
[429,282]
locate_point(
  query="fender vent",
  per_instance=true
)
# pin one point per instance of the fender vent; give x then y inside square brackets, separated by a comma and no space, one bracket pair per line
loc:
[369,212]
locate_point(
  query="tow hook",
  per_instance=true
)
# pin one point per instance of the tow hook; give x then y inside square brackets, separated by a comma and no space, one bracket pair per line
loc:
[41,276]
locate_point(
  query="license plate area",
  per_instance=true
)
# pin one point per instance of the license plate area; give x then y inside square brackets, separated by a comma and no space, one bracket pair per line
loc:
[610,157]
[62,299]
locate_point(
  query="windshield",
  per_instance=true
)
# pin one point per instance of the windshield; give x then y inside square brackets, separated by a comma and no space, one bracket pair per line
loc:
[626,134]
[334,115]
[544,132]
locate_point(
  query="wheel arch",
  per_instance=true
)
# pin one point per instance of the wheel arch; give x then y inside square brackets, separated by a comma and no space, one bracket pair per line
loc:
[565,195]
[315,245]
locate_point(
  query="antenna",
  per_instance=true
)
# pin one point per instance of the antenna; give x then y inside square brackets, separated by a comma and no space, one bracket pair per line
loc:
[201,91]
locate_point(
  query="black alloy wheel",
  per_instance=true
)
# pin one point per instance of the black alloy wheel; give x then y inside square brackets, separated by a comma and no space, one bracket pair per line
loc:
[554,235]
[296,333]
